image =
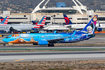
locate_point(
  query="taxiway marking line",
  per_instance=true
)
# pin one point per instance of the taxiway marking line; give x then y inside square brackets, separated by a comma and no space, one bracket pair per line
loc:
[18,60]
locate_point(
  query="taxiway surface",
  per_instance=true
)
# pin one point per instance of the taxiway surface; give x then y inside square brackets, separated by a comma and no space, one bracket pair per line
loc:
[52,56]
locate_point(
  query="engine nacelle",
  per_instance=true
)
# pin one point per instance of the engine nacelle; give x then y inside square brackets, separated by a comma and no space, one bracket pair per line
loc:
[44,42]
[99,29]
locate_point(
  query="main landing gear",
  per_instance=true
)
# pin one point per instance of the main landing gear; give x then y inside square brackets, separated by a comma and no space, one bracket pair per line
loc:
[4,44]
[51,45]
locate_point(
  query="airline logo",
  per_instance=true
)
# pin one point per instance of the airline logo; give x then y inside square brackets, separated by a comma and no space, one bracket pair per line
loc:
[41,23]
[4,21]
[67,20]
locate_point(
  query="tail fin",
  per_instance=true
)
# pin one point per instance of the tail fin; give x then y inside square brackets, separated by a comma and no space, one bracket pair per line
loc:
[67,20]
[90,27]
[74,33]
[5,21]
[41,23]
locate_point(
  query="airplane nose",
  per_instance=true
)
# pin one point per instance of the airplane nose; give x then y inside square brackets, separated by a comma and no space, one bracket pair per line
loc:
[4,40]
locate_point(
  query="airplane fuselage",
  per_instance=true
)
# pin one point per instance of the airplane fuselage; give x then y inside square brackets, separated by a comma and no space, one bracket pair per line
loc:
[18,27]
[45,38]
[56,27]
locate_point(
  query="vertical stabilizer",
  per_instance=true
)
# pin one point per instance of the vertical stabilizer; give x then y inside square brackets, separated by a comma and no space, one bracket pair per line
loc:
[67,21]
[90,27]
[41,23]
[5,21]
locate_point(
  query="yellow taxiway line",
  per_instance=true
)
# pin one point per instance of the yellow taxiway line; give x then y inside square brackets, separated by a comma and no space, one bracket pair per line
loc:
[18,60]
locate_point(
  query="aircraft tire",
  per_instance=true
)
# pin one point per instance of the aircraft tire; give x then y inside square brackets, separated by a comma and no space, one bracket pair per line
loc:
[35,44]
[11,29]
[50,45]
[4,44]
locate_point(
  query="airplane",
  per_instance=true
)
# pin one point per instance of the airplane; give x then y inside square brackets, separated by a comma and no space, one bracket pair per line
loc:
[51,38]
[58,27]
[21,27]
[78,26]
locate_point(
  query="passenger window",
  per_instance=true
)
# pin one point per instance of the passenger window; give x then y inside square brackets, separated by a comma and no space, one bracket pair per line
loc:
[8,37]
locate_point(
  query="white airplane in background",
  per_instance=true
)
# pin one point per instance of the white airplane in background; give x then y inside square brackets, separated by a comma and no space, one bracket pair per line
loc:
[20,27]
[78,26]
[68,25]
[59,27]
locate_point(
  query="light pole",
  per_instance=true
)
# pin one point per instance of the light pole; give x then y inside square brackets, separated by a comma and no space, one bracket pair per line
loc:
[54,14]
[54,18]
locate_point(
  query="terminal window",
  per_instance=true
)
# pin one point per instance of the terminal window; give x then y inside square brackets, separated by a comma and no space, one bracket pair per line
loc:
[48,18]
[82,18]
[101,18]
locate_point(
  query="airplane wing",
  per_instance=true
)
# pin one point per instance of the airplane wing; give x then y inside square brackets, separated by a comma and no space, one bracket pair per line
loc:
[17,29]
[60,39]
[57,39]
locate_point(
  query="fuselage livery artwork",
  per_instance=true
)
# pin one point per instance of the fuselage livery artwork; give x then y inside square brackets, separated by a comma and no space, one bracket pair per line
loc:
[51,38]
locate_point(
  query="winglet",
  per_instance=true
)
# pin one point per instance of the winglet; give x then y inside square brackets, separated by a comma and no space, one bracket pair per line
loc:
[55,31]
[74,33]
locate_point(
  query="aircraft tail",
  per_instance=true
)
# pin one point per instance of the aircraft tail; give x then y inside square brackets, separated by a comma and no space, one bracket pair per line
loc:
[90,27]
[67,21]
[41,22]
[5,21]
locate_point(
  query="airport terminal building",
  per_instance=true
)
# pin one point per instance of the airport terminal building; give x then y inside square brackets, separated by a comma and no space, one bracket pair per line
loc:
[77,14]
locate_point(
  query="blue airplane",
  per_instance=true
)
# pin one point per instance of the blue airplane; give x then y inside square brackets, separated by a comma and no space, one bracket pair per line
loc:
[51,38]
